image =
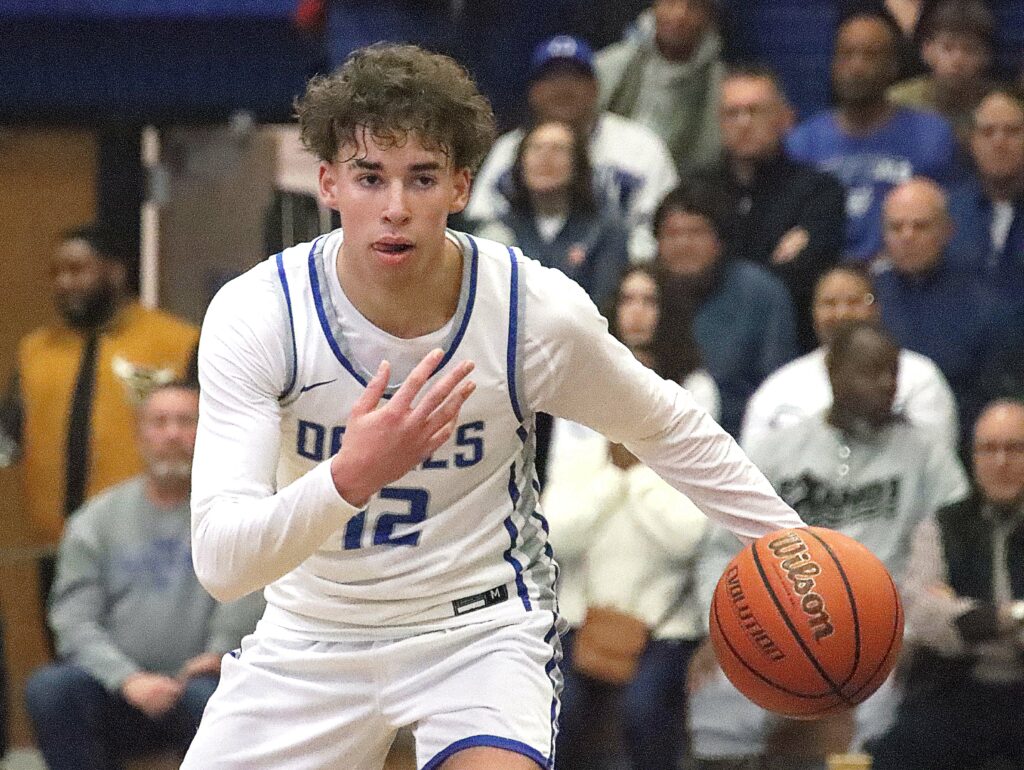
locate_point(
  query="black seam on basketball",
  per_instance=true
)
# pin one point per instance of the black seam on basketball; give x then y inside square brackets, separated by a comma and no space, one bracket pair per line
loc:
[853,608]
[755,672]
[892,640]
[836,690]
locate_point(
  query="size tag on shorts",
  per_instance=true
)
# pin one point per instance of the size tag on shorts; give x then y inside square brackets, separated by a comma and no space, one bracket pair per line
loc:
[481,600]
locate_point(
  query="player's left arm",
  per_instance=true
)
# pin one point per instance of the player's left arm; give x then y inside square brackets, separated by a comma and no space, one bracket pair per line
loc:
[574,369]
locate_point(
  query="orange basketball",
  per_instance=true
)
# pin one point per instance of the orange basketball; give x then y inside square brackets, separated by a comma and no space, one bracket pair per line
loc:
[806,622]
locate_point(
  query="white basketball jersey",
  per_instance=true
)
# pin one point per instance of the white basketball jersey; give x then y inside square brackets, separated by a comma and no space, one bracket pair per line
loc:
[460,538]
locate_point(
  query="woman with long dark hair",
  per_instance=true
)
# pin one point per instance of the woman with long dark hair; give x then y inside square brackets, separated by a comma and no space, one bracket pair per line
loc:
[554,215]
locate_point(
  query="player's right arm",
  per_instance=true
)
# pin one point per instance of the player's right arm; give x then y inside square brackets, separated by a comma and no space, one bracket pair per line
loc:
[246,533]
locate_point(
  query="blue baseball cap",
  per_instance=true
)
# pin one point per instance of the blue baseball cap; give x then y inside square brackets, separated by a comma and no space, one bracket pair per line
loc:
[562,49]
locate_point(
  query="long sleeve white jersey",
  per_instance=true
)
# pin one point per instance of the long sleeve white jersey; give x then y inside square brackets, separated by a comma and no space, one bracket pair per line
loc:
[461,537]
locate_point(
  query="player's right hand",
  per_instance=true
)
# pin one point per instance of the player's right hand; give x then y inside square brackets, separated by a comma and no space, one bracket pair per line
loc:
[383,444]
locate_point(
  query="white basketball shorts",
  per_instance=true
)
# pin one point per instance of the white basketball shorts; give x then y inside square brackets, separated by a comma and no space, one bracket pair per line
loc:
[298,705]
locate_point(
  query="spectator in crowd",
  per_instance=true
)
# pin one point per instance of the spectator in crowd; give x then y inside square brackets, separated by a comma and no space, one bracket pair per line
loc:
[632,167]
[554,216]
[139,640]
[959,39]
[633,318]
[909,19]
[858,468]
[786,216]
[929,306]
[626,543]
[988,208]
[667,76]
[868,143]
[741,315]
[801,389]
[965,618]
[69,409]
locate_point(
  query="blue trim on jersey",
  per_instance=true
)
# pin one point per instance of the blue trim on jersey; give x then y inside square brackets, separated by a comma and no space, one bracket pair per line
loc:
[513,333]
[551,637]
[318,301]
[470,301]
[291,324]
[332,342]
[492,741]
[513,534]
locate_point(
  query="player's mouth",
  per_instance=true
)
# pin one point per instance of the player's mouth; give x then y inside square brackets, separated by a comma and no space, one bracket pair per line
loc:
[392,247]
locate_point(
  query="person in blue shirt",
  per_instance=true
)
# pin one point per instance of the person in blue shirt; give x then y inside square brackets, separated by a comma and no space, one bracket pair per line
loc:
[868,143]
[932,307]
[743,318]
[988,208]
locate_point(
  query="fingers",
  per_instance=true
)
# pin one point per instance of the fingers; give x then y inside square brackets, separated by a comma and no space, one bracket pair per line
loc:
[449,410]
[439,438]
[441,390]
[374,391]
[417,377]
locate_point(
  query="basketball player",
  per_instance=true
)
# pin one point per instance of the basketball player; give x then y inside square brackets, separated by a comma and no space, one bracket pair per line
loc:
[388,503]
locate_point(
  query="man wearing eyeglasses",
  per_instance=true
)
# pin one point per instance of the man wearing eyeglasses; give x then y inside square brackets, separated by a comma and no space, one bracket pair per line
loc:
[786,216]
[965,617]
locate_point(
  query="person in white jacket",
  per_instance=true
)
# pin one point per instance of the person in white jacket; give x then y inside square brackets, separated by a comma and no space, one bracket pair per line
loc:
[801,388]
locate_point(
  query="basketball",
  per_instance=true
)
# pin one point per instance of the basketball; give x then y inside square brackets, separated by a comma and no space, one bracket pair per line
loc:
[806,622]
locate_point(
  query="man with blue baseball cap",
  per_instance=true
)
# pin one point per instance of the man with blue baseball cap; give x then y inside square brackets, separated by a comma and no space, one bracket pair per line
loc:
[632,167]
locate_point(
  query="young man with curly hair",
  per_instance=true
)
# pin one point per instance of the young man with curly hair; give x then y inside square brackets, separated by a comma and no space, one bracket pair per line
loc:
[387,503]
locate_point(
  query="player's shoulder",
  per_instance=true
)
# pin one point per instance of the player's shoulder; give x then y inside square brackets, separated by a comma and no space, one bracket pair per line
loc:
[161,321]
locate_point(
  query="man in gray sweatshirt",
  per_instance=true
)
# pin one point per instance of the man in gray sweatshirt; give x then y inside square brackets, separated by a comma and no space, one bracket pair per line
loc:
[139,641]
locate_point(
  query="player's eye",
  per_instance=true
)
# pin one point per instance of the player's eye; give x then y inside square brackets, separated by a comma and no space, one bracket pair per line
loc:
[426,180]
[369,180]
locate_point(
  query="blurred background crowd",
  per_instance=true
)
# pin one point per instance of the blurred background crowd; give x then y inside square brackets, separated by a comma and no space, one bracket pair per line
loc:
[809,213]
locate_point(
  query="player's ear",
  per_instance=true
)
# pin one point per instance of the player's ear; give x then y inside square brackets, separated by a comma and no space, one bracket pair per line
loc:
[460,190]
[328,181]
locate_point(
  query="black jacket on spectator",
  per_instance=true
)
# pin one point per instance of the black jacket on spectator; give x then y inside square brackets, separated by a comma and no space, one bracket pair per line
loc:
[785,195]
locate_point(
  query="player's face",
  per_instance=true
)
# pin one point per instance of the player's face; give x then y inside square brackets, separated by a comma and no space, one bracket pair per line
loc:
[997,139]
[864,63]
[84,285]
[915,229]
[167,433]
[636,315]
[753,118]
[955,59]
[999,453]
[841,297]
[394,203]
[687,243]
[865,384]
[547,158]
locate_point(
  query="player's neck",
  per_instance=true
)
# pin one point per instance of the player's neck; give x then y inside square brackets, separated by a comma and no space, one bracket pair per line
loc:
[864,118]
[410,308]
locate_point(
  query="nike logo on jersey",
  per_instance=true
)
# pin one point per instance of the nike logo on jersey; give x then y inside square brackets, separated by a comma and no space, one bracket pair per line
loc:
[305,388]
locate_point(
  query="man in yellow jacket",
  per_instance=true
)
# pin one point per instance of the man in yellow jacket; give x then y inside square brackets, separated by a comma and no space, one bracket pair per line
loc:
[69,413]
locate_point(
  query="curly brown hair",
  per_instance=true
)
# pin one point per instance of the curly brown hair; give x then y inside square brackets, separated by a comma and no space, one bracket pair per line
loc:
[389,91]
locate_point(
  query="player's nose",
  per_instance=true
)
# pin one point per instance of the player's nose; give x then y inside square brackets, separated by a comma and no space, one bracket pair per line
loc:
[396,208]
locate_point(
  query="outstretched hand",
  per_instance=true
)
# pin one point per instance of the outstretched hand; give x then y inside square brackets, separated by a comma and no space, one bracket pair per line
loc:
[383,444]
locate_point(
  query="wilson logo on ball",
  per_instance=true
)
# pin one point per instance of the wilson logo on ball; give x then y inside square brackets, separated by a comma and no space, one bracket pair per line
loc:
[801,571]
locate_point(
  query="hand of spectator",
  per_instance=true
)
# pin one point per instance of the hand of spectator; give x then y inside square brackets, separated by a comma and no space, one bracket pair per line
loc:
[703,667]
[383,444]
[790,245]
[207,664]
[153,694]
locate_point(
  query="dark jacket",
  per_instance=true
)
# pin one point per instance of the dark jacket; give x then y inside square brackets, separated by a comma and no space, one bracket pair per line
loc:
[785,195]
